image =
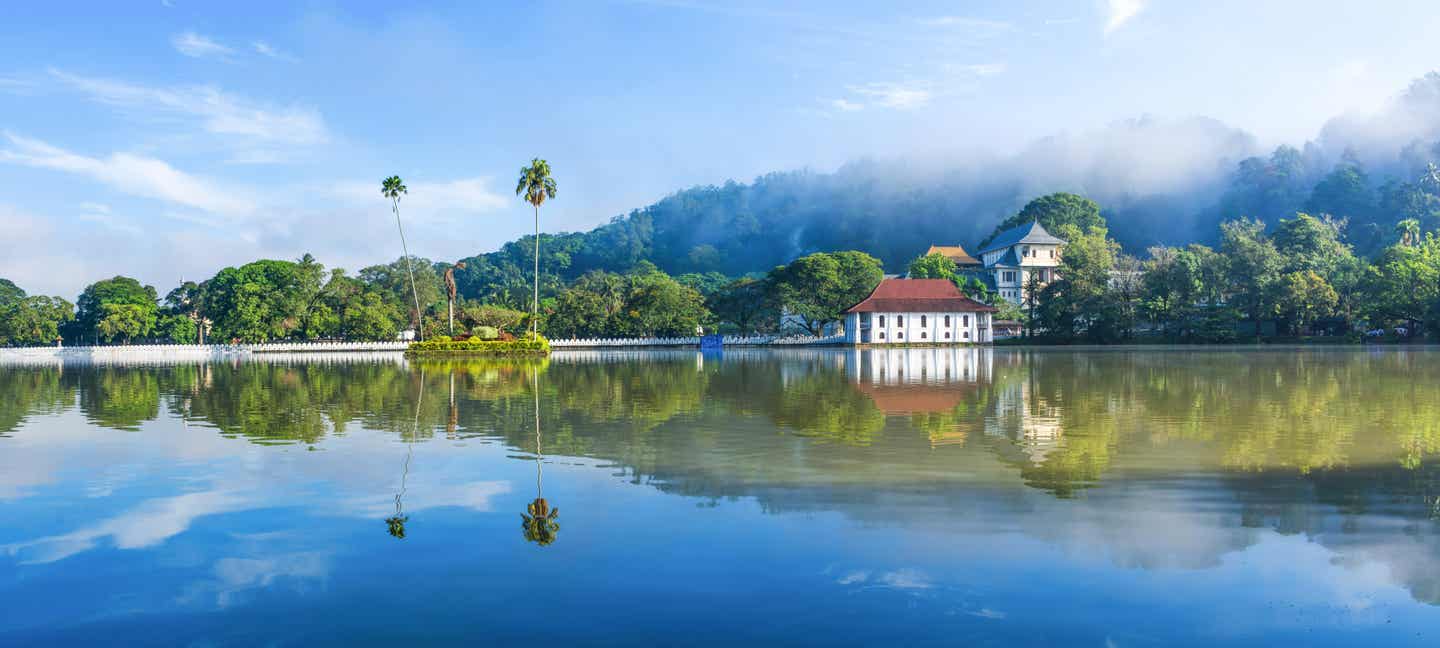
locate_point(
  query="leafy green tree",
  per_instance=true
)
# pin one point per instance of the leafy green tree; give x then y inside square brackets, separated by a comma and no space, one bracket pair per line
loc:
[1405,285]
[932,266]
[1267,189]
[396,282]
[1305,296]
[1056,212]
[1344,193]
[706,284]
[368,317]
[658,305]
[819,287]
[1082,301]
[260,301]
[126,321]
[536,186]
[33,321]
[496,317]
[178,328]
[1183,288]
[747,304]
[117,291]
[1254,265]
[10,292]
[393,188]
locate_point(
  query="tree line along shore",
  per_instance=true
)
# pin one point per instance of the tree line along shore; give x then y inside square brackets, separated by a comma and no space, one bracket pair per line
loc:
[1303,275]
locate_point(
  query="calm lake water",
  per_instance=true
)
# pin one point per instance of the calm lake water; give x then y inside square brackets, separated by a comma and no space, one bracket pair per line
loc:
[960,496]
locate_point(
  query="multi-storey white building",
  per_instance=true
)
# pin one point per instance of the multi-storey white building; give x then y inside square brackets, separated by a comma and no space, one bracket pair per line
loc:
[1017,254]
[918,311]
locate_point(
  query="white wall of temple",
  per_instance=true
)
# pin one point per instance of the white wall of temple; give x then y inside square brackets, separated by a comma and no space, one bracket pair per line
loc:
[919,328]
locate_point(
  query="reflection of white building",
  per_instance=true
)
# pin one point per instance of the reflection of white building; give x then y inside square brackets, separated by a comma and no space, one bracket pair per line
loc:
[936,380]
[927,366]
[918,311]
[1032,422]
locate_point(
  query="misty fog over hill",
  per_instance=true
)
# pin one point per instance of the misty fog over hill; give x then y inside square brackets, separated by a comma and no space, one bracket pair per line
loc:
[1159,181]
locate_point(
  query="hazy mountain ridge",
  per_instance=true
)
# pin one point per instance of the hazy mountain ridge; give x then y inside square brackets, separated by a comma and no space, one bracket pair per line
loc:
[1160,181]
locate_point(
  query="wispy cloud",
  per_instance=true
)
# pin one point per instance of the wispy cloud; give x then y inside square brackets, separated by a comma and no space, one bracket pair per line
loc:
[150,524]
[194,45]
[100,214]
[967,22]
[1120,12]
[219,112]
[901,96]
[845,105]
[128,173]
[267,50]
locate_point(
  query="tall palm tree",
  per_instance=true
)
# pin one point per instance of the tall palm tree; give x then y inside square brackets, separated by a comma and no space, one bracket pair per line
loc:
[536,186]
[1409,230]
[393,187]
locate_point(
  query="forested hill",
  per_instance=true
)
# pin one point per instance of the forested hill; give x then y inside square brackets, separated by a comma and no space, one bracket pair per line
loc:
[1158,182]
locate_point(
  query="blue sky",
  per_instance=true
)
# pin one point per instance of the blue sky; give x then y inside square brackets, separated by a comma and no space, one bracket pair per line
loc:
[165,140]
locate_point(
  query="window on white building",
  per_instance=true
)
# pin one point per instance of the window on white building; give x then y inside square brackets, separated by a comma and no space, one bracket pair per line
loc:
[947,321]
[922,335]
[899,320]
[922,320]
[1026,251]
[964,320]
[882,322]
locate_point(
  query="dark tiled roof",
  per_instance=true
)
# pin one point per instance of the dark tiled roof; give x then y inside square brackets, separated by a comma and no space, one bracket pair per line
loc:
[1007,260]
[918,296]
[954,253]
[1031,232]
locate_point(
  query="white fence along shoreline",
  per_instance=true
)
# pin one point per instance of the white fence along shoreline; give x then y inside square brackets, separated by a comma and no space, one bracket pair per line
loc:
[199,353]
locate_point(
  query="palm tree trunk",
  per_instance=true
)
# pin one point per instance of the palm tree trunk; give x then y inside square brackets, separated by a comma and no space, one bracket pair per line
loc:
[535,304]
[419,320]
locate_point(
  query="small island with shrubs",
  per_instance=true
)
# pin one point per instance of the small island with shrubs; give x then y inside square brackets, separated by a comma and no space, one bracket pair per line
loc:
[484,341]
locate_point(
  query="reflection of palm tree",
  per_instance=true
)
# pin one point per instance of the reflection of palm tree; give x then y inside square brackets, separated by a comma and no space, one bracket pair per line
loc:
[539,520]
[396,523]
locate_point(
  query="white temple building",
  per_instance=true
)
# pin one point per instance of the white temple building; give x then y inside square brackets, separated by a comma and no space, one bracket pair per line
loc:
[918,311]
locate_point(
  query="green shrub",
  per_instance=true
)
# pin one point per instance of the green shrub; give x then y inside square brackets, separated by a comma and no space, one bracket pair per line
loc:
[487,333]
[527,346]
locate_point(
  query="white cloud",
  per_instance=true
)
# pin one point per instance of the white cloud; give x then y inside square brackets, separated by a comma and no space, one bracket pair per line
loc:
[150,524]
[194,45]
[101,215]
[967,23]
[266,49]
[978,69]
[905,579]
[133,174]
[220,113]
[845,105]
[894,95]
[1120,12]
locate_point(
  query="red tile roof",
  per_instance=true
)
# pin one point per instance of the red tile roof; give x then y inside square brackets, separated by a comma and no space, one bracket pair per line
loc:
[918,296]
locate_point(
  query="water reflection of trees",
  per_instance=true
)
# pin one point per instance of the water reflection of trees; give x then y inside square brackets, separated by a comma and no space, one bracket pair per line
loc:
[1336,445]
